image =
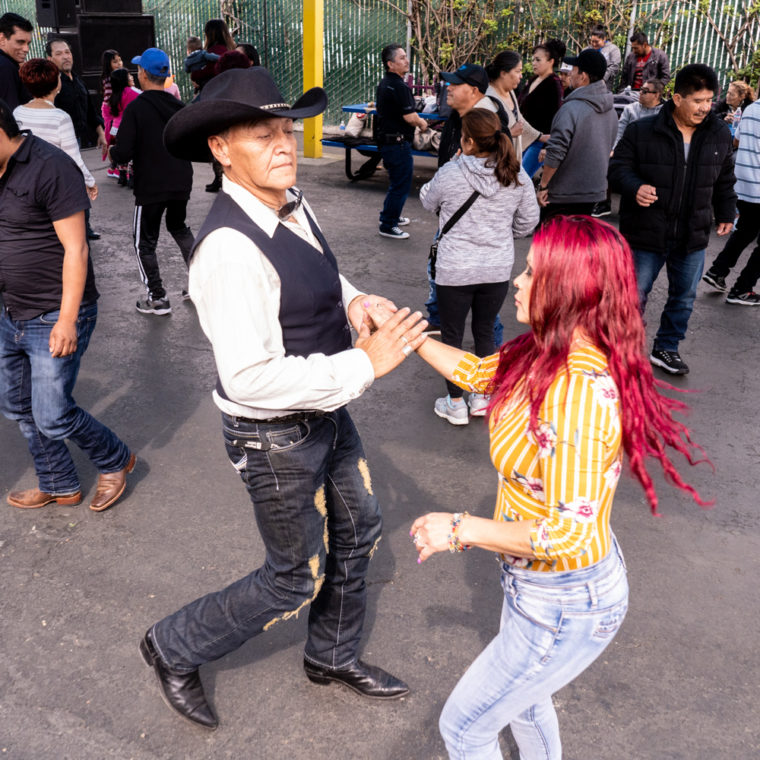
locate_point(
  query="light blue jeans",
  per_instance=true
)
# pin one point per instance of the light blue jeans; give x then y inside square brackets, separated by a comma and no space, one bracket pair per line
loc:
[553,626]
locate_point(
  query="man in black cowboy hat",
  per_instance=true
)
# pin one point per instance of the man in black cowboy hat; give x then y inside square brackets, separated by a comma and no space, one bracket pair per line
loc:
[269,297]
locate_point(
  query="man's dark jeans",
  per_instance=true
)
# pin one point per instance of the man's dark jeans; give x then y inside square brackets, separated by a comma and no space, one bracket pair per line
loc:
[684,273]
[146,227]
[397,159]
[319,521]
[36,391]
[747,230]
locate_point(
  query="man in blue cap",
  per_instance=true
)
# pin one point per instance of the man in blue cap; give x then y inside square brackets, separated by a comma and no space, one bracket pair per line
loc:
[162,182]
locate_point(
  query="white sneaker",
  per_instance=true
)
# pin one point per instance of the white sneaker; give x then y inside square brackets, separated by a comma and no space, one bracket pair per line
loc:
[394,232]
[456,415]
[403,221]
[478,404]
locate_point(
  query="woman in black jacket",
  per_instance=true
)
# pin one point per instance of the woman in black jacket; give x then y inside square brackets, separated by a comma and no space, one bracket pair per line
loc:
[542,96]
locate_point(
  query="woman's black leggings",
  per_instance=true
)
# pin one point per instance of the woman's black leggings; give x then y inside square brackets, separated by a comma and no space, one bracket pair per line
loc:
[454,304]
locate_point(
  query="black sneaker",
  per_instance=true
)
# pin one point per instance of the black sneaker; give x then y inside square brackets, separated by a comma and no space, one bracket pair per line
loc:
[154,306]
[394,232]
[715,281]
[670,361]
[602,208]
[743,299]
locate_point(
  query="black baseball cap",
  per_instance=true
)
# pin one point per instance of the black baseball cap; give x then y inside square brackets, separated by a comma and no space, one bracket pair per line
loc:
[591,61]
[469,73]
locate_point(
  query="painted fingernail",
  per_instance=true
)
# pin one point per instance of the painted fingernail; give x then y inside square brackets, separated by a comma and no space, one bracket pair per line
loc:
[367,304]
[419,561]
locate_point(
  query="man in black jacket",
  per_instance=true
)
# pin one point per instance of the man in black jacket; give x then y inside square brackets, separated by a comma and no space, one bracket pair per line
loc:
[674,171]
[162,182]
[74,98]
[15,36]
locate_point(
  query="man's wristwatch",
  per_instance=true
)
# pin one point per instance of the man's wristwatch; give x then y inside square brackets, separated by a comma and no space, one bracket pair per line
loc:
[543,188]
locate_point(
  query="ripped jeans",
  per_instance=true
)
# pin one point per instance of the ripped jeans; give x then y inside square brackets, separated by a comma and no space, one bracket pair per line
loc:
[553,626]
[319,521]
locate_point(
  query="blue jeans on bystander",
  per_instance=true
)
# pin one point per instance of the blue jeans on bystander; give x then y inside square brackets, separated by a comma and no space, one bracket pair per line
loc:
[684,272]
[553,626]
[397,159]
[36,391]
[320,522]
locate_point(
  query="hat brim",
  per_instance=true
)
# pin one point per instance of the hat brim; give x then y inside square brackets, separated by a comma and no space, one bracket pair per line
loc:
[451,77]
[187,132]
[572,60]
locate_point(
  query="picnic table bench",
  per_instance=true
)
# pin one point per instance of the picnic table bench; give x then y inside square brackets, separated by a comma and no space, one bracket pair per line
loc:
[368,147]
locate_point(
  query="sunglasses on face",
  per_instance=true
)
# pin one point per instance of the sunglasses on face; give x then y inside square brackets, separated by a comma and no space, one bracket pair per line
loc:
[646,92]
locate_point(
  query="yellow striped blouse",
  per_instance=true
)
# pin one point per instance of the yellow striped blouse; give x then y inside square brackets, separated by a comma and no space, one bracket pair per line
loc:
[565,476]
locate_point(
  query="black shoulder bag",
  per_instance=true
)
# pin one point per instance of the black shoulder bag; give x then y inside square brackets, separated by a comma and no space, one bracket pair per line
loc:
[453,219]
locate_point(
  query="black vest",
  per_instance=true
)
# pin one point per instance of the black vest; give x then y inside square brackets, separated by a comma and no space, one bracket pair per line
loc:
[312,315]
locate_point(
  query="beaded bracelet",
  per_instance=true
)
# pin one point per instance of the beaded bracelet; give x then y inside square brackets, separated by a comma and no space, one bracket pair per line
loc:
[455,545]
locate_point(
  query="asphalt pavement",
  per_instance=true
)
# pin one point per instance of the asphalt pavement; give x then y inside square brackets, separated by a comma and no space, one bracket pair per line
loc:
[79,589]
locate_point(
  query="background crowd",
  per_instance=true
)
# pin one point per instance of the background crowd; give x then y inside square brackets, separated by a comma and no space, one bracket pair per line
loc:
[673,165]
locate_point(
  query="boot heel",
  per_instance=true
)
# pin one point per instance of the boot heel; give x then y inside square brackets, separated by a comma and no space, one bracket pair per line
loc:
[145,653]
[74,498]
[318,679]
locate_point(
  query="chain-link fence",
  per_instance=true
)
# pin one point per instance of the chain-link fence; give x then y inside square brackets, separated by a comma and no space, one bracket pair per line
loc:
[356,31]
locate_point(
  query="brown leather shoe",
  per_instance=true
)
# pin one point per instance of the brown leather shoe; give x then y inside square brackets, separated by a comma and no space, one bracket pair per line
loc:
[34,498]
[111,485]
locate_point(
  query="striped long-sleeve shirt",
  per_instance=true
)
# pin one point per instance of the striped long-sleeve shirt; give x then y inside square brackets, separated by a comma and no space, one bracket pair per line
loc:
[564,476]
[54,126]
[748,156]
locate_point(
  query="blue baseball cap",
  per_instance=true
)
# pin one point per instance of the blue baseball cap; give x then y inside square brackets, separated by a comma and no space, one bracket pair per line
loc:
[154,61]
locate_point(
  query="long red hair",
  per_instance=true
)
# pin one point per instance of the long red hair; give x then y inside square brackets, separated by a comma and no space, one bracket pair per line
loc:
[584,281]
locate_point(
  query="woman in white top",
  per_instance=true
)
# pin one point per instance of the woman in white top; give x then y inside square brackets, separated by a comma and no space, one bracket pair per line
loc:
[505,74]
[43,80]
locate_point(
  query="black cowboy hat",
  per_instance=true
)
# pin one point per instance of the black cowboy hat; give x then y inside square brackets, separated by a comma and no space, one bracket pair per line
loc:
[235,96]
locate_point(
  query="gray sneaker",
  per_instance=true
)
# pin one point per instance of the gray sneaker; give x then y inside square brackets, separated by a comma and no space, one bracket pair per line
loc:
[154,305]
[478,403]
[456,415]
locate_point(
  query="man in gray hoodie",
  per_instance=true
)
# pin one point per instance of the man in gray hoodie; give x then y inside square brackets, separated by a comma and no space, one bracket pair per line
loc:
[583,131]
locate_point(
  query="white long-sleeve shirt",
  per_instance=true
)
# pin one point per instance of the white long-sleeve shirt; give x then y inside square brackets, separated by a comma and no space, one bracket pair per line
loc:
[236,292]
[54,126]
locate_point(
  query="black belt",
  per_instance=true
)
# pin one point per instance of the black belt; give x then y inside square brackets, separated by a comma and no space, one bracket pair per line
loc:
[295,417]
[392,139]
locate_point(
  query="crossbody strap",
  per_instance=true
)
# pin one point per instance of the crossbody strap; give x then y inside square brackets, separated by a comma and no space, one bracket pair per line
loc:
[458,214]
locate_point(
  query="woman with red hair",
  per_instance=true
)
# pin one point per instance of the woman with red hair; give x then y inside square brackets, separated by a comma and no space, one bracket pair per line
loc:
[568,399]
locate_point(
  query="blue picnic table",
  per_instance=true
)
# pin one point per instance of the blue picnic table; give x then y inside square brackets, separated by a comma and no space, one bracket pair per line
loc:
[368,147]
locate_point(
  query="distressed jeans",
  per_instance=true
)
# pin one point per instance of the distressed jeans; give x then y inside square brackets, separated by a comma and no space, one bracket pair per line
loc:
[319,521]
[553,626]
[36,391]
[684,272]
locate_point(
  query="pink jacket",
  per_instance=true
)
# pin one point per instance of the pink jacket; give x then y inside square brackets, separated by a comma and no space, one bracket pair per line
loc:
[112,122]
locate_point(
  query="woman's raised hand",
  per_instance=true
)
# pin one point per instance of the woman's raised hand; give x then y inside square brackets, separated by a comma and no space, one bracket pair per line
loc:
[393,341]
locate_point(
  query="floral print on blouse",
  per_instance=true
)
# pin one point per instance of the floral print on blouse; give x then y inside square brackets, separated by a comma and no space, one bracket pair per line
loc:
[564,474]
